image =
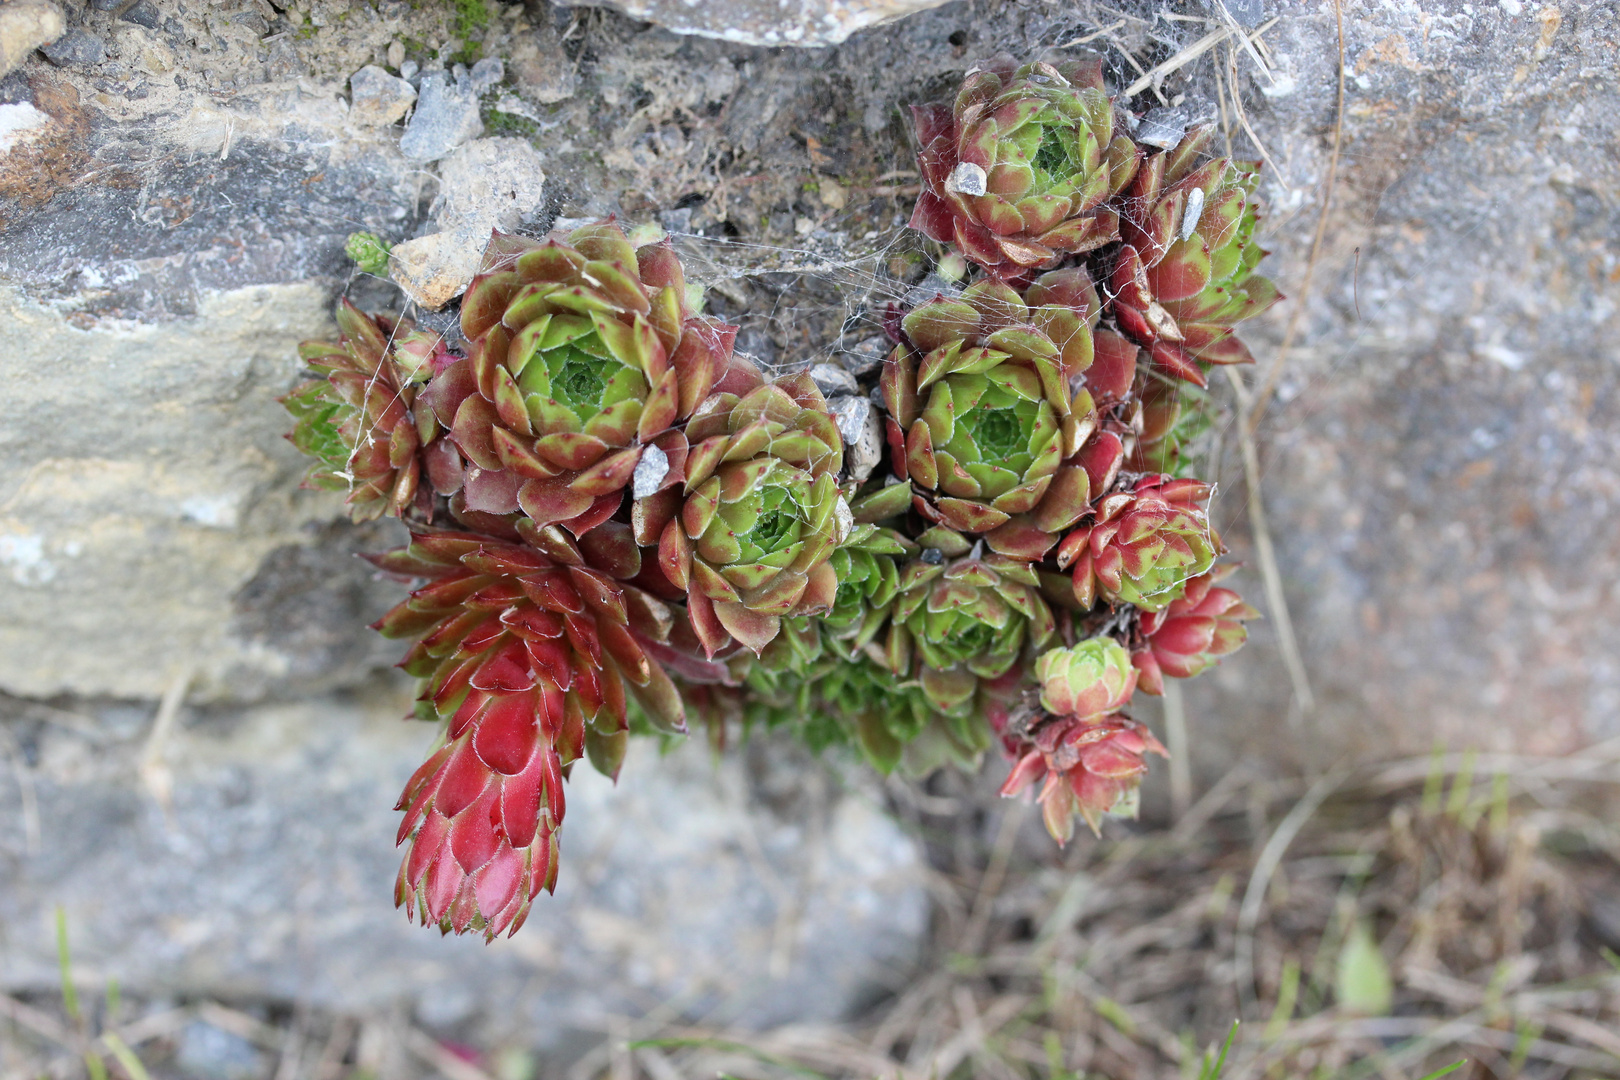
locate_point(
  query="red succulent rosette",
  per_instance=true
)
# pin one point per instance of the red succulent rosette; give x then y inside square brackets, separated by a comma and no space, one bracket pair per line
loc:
[1086,768]
[526,657]
[1193,633]
[1185,275]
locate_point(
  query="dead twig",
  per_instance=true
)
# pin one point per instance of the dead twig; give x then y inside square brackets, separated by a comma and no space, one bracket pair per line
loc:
[1266,553]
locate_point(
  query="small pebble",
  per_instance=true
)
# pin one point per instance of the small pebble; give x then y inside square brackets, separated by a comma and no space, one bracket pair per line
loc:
[487,74]
[831,379]
[78,47]
[144,14]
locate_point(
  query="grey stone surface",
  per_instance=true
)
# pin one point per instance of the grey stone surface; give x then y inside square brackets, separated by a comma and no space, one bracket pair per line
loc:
[446,116]
[540,67]
[377,98]
[772,22]
[748,886]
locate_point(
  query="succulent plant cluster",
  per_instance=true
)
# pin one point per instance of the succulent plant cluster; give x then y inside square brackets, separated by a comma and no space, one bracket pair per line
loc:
[620,523]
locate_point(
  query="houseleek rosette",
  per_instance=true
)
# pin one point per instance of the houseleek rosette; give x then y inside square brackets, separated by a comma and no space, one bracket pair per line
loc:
[583,350]
[357,418]
[527,661]
[1193,633]
[1018,169]
[1186,273]
[981,410]
[749,535]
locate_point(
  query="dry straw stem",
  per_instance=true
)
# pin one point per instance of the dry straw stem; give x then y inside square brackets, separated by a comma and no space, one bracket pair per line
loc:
[1297,309]
[1156,75]
[1266,554]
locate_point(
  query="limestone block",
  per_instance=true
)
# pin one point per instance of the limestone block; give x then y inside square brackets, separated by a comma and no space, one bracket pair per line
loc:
[146,480]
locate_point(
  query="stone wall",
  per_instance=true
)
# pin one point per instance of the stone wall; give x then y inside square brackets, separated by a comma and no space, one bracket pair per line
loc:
[176,181]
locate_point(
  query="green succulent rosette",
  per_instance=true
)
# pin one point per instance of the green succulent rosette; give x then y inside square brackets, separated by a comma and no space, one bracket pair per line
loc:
[981,414]
[749,535]
[358,419]
[962,617]
[867,568]
[1089,679]
[1017,170]
[583,350]
[813,684]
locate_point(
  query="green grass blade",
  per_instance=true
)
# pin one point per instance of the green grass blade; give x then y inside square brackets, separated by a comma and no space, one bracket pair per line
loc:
[1213,1072]
[1453,1067]
[70,994]
[126,1057]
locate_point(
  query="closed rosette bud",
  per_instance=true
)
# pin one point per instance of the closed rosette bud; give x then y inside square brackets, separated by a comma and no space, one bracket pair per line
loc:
[749,533]
[1087,680]
[1186,274]
[1192,634]
[582,351]
[1017,170]
[357,420]
[527,658]
[867,568]
[1086,768]
[1143,545]
[961,620]
[981,413]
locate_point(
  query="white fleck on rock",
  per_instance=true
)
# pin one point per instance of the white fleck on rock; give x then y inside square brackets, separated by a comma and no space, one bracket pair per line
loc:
[650,472]
[850,413]
[23,555]
[1282,84]
[831,379]
[966,179]
[864,450]
[376,98]
[20,123]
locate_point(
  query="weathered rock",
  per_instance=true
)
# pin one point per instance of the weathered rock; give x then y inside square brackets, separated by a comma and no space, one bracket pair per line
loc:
[446,116]
[772,22]
[541,69]
[486,74]
[768,893]
[25,25]
[143,13]
[376,98]
[435,269]
[485,185]
[77,46]
[149,493]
